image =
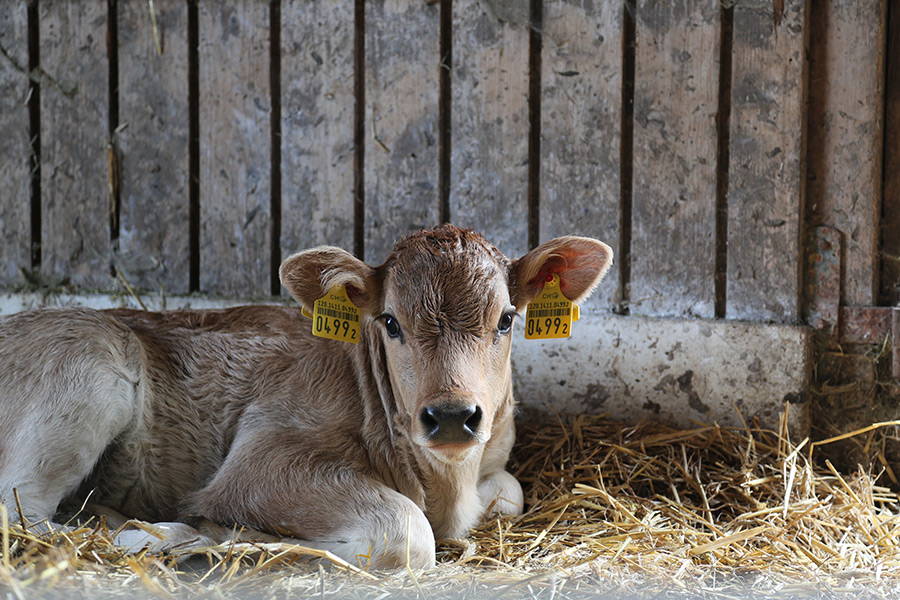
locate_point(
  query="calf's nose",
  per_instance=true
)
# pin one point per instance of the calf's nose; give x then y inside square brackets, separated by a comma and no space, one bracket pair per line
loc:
[450,423]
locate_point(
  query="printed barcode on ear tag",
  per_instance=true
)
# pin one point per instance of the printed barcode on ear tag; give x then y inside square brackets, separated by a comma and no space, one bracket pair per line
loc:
[336,317]
[550,314]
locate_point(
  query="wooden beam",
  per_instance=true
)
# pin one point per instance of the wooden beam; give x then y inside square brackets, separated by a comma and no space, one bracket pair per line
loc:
[235,149]
[154,236]
[581,116]
[489,112]
[317,108]
[766,180]
[401,165]
[846,102]
[674,202]
[15,146]
[75,153]
[890,225]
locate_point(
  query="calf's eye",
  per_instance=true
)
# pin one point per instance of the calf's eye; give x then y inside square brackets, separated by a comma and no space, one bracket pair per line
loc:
[505,323]
[392,326]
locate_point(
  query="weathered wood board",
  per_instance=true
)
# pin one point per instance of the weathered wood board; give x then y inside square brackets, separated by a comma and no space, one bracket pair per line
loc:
[489,125]
[674,191]
[401,115]
[766,181]
[15,146]
[890,225]
[235,148]
[317,121]
[154,233]
[846,101]
[75,170]
[581,113]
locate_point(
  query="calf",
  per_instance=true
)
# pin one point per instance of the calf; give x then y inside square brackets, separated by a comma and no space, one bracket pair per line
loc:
[242,416]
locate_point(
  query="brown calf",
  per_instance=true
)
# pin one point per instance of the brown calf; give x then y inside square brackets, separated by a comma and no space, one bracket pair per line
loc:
[241,416]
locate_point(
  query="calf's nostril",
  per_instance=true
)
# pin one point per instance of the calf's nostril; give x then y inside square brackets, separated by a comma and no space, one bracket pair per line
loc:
[429,420]
[474,420]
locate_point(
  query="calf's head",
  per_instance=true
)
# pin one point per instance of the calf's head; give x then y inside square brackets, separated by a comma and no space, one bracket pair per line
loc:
[441,311]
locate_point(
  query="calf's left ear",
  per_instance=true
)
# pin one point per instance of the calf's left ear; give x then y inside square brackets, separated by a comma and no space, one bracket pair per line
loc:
[308,275]
[580,263]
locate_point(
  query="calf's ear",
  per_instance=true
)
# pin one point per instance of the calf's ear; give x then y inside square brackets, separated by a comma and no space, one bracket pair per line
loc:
[308,275]
[580,263]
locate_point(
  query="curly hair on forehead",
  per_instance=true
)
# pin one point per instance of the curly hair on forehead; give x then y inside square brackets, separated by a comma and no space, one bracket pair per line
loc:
[456,271]
[444,240]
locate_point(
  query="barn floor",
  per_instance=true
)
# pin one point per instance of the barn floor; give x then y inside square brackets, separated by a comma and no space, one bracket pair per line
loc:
[614,512]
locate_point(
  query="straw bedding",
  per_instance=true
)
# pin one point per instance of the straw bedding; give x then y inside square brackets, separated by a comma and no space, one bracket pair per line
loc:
[612,511]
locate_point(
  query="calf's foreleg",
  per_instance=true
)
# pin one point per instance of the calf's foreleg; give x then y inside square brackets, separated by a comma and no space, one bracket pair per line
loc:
[275,482]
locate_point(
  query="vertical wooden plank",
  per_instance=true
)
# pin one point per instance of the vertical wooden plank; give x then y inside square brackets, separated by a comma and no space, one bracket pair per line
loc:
[674,201]
[489,125]
[846,100]
[401,170]
[75,203]
[15,146]
[581,94]
[154,235]
[766,180]
[890,224]
[235,147]
[317,124]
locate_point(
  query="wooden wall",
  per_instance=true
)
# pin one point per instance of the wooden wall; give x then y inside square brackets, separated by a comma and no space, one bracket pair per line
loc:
[191,147]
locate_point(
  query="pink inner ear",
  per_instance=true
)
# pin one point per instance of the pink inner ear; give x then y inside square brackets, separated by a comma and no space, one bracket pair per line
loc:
[555,265]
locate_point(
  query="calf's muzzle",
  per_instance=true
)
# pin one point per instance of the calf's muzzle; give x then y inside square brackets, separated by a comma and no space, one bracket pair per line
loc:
[450,423]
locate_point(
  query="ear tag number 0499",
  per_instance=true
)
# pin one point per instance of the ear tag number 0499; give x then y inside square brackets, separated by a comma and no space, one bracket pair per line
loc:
[335,316]
[550,315]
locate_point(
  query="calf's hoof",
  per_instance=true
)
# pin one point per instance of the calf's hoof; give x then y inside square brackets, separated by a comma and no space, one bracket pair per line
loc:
[161,537]
[500,493]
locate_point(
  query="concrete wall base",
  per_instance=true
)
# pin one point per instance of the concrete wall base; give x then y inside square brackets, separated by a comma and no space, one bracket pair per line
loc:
[677,371]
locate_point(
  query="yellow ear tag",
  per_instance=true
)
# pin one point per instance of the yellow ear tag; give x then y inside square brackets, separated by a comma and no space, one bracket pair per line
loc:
[336,317]
[550,315]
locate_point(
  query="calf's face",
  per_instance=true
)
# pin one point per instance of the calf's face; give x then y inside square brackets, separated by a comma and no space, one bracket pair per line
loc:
[447,321]
[442,310]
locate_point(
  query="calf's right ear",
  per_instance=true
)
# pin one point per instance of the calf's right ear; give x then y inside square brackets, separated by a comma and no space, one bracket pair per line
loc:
[308,275]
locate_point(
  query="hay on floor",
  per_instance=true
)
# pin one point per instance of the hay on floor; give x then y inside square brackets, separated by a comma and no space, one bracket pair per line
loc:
[681,508]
